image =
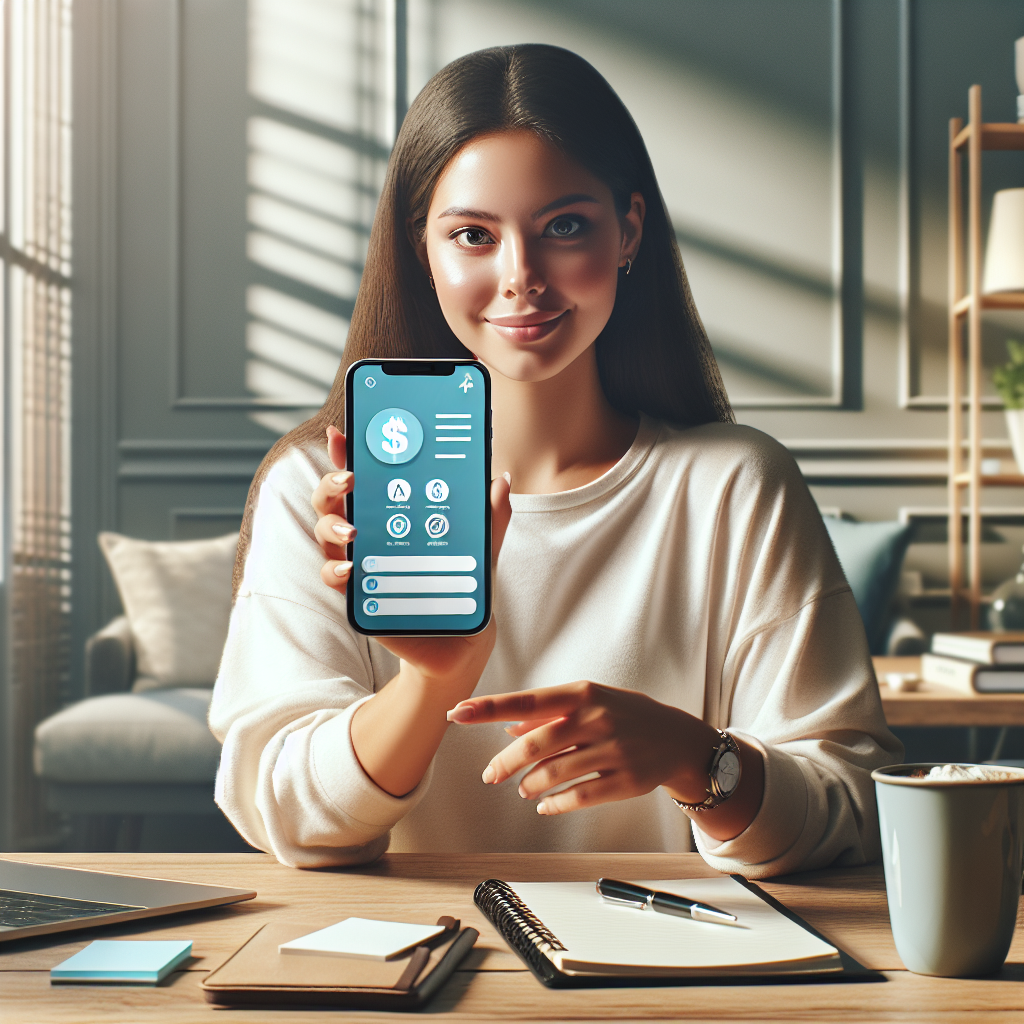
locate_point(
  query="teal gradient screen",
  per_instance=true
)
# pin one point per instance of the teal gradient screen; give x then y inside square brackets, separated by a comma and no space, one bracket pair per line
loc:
[419,447]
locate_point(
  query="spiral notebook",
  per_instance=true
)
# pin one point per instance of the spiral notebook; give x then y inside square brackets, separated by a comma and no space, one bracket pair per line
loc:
[567,934]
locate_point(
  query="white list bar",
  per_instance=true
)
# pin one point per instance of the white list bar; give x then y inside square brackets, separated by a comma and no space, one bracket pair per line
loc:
[419,585]
[418,563]
[419,606]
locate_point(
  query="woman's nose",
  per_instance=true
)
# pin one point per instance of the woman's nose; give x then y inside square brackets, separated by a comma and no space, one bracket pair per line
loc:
[520,273]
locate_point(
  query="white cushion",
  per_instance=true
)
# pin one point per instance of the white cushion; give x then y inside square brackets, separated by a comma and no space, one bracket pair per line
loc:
[177,596]
[160,736]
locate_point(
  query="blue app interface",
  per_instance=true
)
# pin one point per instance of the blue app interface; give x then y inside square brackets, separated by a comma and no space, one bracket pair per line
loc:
[419,500]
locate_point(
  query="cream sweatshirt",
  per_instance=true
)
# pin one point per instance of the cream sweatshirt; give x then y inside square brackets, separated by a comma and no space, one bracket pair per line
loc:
[696,570]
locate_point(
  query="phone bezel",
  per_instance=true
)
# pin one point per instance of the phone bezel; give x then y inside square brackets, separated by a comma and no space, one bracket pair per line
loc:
[429,369]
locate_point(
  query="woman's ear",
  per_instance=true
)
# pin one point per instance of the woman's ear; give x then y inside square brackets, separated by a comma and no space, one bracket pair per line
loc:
[632,228]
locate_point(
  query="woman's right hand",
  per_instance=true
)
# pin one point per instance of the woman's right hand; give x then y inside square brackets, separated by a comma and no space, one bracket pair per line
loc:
[457,660]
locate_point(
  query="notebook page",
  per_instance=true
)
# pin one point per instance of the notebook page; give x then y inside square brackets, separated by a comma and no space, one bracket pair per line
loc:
[596,932]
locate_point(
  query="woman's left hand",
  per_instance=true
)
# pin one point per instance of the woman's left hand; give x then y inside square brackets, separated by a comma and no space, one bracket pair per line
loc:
[633,742]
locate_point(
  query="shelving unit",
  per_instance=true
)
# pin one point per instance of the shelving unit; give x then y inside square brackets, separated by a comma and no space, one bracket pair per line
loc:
[967,302]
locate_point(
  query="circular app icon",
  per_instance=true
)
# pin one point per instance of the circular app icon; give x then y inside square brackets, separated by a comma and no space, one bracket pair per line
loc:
[399,526]
[437,526]
[437,490]
[370,382]
[394,436]
[370,607]
[370,584]
[399,490]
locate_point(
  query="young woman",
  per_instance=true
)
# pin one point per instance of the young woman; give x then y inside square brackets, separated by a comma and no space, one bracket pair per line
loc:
[672,639]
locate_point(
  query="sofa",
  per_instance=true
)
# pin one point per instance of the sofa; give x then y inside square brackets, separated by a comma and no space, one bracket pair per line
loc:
[138,743]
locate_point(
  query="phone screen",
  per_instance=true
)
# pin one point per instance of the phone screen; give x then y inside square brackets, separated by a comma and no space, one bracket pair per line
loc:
[419,445]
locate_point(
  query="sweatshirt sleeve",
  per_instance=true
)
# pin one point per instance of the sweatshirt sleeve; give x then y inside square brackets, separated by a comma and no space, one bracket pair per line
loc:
[807,698]
[292,674]
[796,681]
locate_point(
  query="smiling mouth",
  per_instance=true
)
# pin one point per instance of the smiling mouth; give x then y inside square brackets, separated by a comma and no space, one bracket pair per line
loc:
[521,328]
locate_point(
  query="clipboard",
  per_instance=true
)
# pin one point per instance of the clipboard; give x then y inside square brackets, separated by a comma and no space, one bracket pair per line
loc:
[257,975]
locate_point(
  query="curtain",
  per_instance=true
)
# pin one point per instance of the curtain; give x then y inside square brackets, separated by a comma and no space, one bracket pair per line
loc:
[36,268]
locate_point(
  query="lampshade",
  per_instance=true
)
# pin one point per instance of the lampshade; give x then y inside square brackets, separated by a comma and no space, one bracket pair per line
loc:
[1004,255]
[1018,50]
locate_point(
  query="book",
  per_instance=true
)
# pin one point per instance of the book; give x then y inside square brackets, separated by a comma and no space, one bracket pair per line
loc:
[984,648]
[124,961]
[257,974]
[568,935]
[970,676]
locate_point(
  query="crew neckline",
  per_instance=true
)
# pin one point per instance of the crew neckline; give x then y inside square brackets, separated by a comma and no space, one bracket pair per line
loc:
[646,436]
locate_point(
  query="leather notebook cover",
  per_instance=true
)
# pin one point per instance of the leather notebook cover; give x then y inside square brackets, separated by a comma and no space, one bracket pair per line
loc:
[257,974]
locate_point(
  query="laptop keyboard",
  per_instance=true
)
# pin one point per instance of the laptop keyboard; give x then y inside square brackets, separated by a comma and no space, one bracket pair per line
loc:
[23,909]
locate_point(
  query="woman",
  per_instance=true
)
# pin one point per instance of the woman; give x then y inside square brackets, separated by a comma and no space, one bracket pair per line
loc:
[669,613]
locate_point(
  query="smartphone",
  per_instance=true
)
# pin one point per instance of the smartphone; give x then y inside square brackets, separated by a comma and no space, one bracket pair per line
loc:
[419,442]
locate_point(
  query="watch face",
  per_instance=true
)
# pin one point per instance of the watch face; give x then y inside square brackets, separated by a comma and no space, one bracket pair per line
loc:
[727,772]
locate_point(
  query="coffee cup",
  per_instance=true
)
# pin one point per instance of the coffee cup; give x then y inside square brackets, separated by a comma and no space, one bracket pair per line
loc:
[953,853]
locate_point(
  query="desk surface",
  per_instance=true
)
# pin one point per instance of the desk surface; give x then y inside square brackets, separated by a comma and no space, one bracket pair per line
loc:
[847,906]
[939,705]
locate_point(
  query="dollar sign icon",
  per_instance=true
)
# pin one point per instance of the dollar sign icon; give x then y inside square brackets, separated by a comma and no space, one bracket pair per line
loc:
[394,442]
[394,436]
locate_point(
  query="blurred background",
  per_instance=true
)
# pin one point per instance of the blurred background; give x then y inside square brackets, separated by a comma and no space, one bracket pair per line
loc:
[187,192]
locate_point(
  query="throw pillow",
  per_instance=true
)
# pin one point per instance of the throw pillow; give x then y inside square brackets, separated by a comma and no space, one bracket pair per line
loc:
[871,555]
[177,596]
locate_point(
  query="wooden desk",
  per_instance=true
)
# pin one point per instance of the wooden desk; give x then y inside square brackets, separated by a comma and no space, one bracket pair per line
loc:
[939,705]
[847,906]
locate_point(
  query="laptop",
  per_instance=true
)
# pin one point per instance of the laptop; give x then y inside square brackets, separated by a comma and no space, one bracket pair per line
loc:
[36,899]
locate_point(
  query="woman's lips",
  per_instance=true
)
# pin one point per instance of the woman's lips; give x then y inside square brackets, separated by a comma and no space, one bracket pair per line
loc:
[527,328]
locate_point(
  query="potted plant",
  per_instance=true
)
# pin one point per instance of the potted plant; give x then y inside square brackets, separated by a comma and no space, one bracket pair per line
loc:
[1009,382]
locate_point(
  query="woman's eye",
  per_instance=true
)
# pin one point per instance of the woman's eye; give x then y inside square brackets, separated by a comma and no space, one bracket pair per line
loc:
[472,237]
[564,227]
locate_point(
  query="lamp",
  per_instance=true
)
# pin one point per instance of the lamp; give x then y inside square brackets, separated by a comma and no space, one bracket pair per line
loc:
[1018,48]
[1004,254]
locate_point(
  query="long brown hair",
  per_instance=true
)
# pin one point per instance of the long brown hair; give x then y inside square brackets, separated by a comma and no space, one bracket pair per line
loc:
[653,356]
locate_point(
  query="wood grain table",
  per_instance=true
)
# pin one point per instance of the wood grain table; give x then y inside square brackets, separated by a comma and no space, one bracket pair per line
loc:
[847,906]
[932,704]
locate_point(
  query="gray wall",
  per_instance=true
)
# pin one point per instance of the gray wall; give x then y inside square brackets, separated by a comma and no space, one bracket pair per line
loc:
[227,157]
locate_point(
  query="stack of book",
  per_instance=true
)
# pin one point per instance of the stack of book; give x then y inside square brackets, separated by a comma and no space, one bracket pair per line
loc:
[976,662]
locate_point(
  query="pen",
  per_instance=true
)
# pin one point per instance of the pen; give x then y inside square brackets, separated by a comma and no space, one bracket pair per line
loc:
[637,896]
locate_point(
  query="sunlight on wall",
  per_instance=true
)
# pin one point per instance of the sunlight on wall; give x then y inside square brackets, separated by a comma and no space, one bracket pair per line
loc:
[320,72]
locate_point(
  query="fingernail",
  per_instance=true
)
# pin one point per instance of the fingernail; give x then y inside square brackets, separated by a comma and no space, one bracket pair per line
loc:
[342,568]
[510,731]
[462,714]
[339,478]
[522,793]
[489,774]
[508,478]
[542,807]
[344,532]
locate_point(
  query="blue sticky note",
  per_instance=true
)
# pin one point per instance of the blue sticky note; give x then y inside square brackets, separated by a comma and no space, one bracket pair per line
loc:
[132,961]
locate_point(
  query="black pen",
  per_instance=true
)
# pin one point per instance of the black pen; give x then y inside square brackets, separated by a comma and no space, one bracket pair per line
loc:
[637,896]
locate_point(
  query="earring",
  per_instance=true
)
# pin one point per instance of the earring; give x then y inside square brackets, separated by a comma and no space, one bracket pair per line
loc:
[431,276]
[629,266]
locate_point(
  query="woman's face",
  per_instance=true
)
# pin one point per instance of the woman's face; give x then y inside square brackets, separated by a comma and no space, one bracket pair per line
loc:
[524,246]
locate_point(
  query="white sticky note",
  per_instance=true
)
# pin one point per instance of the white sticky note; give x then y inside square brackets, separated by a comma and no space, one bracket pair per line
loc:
[363,939]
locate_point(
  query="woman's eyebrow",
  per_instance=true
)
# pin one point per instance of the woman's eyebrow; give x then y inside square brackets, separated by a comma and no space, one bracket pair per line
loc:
[573,197]
[462,211]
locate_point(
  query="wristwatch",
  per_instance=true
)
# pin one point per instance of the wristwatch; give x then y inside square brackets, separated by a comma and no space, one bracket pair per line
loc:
[723,775]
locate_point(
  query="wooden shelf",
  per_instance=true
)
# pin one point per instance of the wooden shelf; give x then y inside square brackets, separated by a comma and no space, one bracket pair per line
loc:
[993,136]
[967,143]
[998,480]
[997,300]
